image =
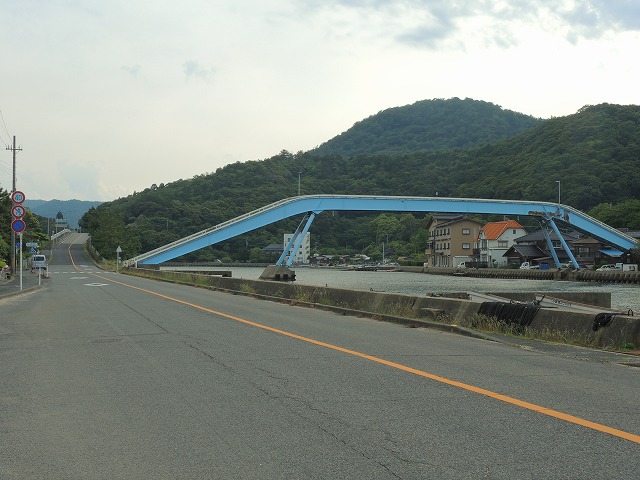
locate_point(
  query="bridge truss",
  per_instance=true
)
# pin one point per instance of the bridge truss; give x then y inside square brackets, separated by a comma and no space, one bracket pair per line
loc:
[552,217]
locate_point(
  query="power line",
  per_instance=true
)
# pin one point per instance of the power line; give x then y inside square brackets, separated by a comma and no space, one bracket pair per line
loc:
[5,128]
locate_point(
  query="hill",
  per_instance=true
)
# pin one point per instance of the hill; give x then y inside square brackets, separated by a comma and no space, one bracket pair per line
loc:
[430,125]
[594,154]
[72,210]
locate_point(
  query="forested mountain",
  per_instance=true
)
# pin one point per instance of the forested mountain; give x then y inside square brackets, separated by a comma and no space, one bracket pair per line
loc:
[594,153]
[72,210]
[437,124]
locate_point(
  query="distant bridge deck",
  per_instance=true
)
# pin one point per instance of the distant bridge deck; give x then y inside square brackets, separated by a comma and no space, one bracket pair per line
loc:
[553,213]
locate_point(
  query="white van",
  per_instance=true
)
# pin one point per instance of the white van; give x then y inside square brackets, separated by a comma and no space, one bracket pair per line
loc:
[39,262]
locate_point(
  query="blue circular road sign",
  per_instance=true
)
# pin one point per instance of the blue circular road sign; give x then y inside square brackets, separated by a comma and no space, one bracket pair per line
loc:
[18,226]
[17,197]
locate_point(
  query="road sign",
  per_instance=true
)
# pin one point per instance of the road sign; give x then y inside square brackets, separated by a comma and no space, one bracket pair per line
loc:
[18,226]
[17,197]
[18,211]
[33,250]
[32,244]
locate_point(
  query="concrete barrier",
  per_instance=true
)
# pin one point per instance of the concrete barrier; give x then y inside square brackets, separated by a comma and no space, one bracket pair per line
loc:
[583,275]
[621,331]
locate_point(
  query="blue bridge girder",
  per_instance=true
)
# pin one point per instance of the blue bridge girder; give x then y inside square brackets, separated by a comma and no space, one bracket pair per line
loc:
[555,213]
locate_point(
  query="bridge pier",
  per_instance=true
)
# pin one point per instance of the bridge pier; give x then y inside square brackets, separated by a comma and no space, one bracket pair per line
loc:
[278,273]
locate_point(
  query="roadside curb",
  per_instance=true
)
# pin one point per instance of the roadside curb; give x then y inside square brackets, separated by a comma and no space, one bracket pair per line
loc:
[17,293]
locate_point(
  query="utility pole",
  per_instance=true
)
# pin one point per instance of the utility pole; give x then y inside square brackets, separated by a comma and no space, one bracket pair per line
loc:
[13,189]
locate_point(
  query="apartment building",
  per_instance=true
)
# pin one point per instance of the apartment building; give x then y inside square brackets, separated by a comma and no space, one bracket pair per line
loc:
[451,239]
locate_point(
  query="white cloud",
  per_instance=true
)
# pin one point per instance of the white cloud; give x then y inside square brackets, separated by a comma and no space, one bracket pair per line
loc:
[111,97]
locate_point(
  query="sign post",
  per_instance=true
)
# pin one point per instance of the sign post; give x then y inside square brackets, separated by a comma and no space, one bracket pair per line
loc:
[20,260]
[17,226]
[118,252]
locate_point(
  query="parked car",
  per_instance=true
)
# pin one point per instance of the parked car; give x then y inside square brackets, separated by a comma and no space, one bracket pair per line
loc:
[529,266]
[608,268]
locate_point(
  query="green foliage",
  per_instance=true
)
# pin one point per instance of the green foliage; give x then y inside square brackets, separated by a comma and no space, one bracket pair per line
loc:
[33,231]
[594,154]
[108,232]
[430,125]
[624,214]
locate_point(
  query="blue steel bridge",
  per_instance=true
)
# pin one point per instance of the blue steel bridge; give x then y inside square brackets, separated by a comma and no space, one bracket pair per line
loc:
[552,217]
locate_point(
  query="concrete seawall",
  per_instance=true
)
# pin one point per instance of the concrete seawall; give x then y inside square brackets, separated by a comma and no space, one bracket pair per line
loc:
[444,311]
[553,274]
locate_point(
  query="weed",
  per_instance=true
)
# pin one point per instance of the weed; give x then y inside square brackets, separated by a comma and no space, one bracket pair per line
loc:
[303,296]
[247,288]
[326,302]
[398,311]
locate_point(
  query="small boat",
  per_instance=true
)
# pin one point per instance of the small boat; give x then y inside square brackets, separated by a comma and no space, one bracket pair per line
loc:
[487,297]
[553,302]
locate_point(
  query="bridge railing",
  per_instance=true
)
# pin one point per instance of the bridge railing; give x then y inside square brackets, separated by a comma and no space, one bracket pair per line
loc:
[204,233]
[519,207]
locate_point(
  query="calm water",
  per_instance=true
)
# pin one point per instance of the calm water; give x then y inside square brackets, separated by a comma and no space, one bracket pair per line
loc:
[623,296]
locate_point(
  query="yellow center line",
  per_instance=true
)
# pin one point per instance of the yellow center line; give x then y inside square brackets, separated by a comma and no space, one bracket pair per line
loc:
[454,383]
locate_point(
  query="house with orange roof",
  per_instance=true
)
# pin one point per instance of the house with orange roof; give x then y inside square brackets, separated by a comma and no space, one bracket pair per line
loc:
[495,238]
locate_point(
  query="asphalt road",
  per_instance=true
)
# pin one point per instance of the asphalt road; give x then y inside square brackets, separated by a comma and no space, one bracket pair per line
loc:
[106,376]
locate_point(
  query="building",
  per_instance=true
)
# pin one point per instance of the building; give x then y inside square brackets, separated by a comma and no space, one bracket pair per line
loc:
[273,249]
[61,224]
[590,252]
[451,239]
[533,246]
[304,252]
[495,239]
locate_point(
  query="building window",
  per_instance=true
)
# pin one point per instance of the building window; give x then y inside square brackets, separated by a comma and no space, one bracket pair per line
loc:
[503,244]
[466,231]
[466,246]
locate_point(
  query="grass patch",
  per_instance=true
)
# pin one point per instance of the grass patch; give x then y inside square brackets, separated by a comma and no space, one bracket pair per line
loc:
[303,296]
[247,288]
[326,302]
[398,311]
[489,324]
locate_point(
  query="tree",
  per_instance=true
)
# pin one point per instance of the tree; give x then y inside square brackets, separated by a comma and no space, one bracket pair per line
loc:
[385,226]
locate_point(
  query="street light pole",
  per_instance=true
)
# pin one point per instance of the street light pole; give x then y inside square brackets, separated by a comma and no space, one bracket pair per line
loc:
[558,182]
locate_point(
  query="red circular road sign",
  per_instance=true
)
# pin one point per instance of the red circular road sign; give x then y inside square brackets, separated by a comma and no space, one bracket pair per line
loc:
[17,197]
[18,211]
[18,226]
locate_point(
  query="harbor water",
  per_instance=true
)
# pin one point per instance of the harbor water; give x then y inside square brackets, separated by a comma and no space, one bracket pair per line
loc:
[623,296]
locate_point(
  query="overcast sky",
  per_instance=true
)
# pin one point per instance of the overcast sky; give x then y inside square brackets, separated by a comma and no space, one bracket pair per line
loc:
[109,97]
